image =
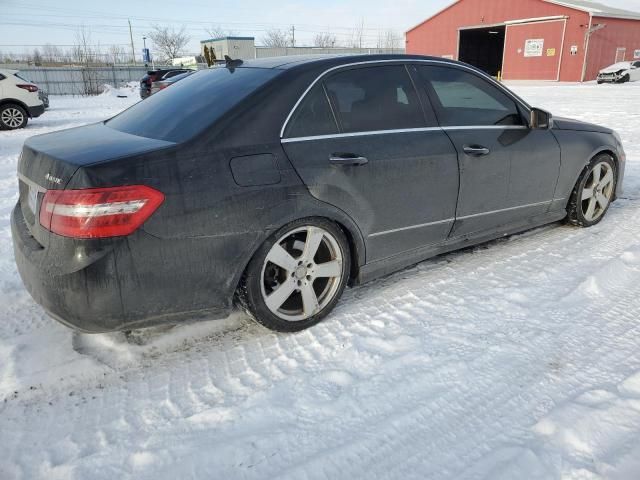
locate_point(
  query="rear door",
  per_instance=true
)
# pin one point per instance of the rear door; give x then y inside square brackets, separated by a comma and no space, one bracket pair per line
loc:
[361,141]
[508,172]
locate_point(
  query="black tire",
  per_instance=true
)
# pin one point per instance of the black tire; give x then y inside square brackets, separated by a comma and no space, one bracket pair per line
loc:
[249,295]
[8,108]
[600,82]
[575,214]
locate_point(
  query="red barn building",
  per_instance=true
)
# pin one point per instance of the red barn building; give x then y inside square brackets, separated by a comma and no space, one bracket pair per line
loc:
[566,40]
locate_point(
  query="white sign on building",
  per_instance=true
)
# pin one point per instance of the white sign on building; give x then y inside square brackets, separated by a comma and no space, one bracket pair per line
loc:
[533,47]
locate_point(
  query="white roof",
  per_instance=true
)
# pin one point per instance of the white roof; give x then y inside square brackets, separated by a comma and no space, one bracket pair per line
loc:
[597,9]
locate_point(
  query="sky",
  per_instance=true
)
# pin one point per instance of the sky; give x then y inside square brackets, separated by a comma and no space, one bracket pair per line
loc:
[25,24]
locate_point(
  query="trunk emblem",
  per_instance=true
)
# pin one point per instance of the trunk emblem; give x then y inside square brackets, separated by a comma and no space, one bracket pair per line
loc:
[53,179]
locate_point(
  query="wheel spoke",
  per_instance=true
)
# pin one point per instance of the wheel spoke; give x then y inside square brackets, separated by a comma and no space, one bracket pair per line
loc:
[314,237]
[591,209]
[607,179]
[280,295]
[597,171]
[587,193]
[282,258]
[602,200]
[309,300]
[328,269]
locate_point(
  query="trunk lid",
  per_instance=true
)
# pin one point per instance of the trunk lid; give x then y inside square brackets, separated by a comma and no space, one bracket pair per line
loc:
[48,162]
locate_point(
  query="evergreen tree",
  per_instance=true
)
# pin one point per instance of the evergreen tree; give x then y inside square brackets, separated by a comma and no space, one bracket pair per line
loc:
[207,55]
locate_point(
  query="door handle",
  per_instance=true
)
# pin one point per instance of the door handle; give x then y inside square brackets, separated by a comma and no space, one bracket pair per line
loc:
[476,150]
[348,159]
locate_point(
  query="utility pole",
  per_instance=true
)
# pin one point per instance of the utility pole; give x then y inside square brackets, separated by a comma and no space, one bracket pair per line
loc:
[293,35]
[133,49]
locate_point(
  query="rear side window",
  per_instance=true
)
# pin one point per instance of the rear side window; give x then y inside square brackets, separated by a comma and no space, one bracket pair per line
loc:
[461,98]
[191,105]
[375,98]
[313,117]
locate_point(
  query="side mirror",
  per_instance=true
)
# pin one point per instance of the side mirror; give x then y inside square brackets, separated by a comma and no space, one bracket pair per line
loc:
[540,119]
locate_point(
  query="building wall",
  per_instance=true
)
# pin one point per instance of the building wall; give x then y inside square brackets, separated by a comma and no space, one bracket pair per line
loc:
[517,65]
[439,35]
[603,43]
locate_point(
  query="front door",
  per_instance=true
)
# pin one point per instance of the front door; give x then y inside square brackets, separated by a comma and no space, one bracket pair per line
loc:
[508,172]
[361,141]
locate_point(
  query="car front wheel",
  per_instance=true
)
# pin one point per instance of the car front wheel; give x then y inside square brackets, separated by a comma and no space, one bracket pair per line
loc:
[593,193]
[297,277]
[12,117]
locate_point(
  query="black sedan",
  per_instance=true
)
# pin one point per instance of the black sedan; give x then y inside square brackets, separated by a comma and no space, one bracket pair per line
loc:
[277,182]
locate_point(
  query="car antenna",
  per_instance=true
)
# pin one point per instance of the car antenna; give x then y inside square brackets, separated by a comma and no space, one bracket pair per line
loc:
[230,63]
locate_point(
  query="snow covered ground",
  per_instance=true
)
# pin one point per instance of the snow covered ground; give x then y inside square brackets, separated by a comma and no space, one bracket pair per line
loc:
[519,359]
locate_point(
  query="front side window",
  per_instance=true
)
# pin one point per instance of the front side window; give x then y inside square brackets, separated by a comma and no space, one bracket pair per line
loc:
[191,105]
[464,99]
[374,98]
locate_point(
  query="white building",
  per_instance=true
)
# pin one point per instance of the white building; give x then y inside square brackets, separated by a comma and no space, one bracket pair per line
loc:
[235,47]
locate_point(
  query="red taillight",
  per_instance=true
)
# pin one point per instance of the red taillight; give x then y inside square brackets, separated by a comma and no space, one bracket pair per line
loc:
[26,86]
[98,212]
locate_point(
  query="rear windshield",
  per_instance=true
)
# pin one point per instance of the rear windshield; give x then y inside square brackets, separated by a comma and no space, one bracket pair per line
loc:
[189,106]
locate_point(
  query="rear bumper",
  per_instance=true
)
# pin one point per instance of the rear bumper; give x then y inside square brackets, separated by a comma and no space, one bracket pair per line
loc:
[36,111]
[125,283]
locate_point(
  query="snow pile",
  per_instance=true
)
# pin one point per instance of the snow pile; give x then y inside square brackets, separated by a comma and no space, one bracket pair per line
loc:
[130,89]
[517,359]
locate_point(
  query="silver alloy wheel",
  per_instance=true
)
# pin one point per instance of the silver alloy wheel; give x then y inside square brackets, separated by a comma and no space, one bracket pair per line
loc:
[12,117]
[302,273]
[597,191]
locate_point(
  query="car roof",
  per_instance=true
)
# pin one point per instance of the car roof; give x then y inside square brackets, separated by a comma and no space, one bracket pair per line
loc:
[293,61]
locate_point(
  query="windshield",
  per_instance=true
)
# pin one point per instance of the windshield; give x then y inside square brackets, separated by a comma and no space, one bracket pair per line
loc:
[192,104]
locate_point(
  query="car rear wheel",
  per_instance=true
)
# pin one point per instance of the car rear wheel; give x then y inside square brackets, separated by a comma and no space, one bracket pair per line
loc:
[297,277]
[593,193]
[12,117]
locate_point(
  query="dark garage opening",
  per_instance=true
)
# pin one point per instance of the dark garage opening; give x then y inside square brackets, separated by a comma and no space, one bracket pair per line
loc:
[483,48]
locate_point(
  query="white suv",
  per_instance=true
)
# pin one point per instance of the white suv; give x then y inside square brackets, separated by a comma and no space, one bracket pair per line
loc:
[19,100]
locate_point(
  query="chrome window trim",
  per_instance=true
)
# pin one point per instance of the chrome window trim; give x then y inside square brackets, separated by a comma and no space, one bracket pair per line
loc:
[403,130]
[359,134]
[403,62]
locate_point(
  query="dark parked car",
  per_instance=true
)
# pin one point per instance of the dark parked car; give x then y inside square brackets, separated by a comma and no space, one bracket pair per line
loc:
[162,84]
[157,75]
[284,180]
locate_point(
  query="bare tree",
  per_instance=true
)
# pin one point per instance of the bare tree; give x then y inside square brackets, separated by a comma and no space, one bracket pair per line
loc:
[216,31]
[357,36]
[324,40]
[116,53]
[51,53]
[277,38]
[389,39]
[84,52]
[37,58]
[169,42]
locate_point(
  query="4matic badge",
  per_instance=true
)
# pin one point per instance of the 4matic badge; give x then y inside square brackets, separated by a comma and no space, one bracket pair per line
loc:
[53,179]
